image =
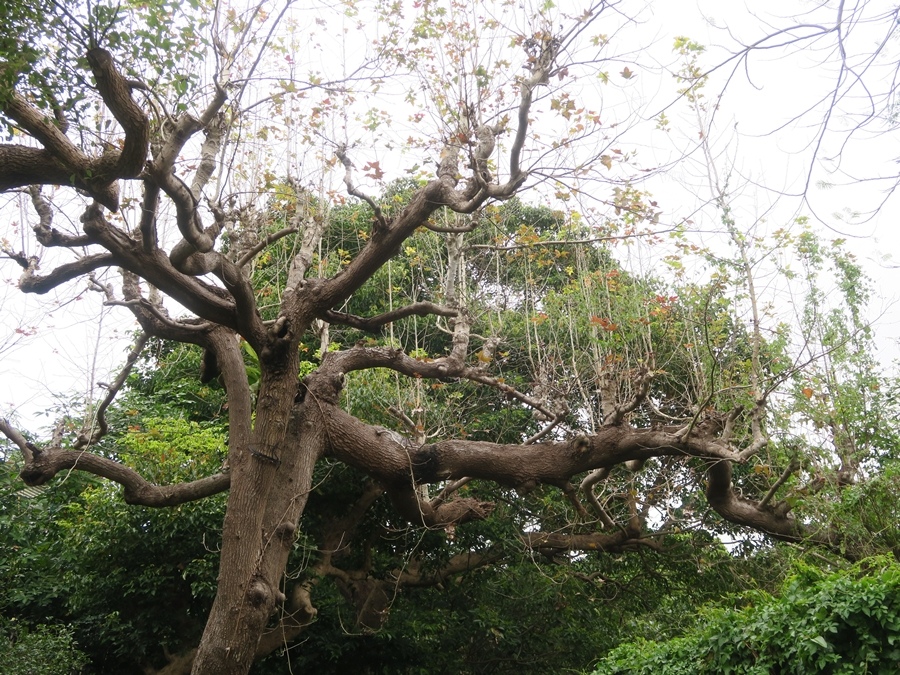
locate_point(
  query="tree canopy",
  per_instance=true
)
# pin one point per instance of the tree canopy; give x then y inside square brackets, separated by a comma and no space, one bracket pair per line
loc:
[398,344]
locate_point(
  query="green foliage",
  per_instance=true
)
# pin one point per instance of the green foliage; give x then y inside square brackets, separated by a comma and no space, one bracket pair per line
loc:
[166,382]
[843,622]
[43,46]
[42,650]
[127,580]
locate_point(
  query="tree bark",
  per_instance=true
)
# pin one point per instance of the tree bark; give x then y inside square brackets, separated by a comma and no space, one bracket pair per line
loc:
[271,480]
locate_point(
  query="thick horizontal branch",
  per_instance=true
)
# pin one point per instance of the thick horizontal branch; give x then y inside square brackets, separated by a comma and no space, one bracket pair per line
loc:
[361,358]
[21,166]
[614,542]
[61,162]
[396,463]
[458,564]
[375,323]
[452,366]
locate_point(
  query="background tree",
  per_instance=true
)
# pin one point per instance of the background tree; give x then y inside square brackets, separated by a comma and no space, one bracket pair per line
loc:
[439,379]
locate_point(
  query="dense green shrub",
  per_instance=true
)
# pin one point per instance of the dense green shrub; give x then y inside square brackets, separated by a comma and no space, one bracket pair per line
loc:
[42,650]
[844,622]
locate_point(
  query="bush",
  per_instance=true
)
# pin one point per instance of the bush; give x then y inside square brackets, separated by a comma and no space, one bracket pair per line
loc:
[840,623]
[42,650]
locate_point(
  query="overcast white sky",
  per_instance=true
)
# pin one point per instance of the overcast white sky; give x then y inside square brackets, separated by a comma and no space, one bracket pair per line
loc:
[76,337]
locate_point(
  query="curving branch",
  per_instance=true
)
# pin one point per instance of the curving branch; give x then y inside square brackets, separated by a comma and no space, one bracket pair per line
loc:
[89,435]
[268,240]
[115,90]
[542,62]
[32,283]
[620,412]
[521,466]
[205,300]
[356,192]
[196,239]
[215,136]
[721,495]
[60,161]
[43,231]
[42,464]
[401,466]
[452,366]
[153,317]
[409,503]
[587,487]
[444,190]
[27,448]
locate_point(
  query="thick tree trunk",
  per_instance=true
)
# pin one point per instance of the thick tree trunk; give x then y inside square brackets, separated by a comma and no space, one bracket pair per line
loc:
[269,489]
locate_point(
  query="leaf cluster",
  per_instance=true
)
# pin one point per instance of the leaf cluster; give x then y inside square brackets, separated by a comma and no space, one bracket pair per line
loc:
[842,622]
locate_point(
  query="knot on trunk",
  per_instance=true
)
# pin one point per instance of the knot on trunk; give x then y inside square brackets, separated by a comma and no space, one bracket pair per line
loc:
[323,387]
[258,592]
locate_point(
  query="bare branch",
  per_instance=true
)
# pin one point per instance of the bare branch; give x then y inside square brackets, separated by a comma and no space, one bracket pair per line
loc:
[356,192]
[89,436]
[116,93]
[644,378]
[542,63]
[50,461]
[32,283]
[587,487]
[546,430]
[215,134]
[42,464]
[269,239]
[29,450]
[43,231]
[789,470]
[209,302]
[153,316]
[449,489]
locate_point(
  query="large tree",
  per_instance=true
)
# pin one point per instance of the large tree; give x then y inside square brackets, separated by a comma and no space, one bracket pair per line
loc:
[175,141]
